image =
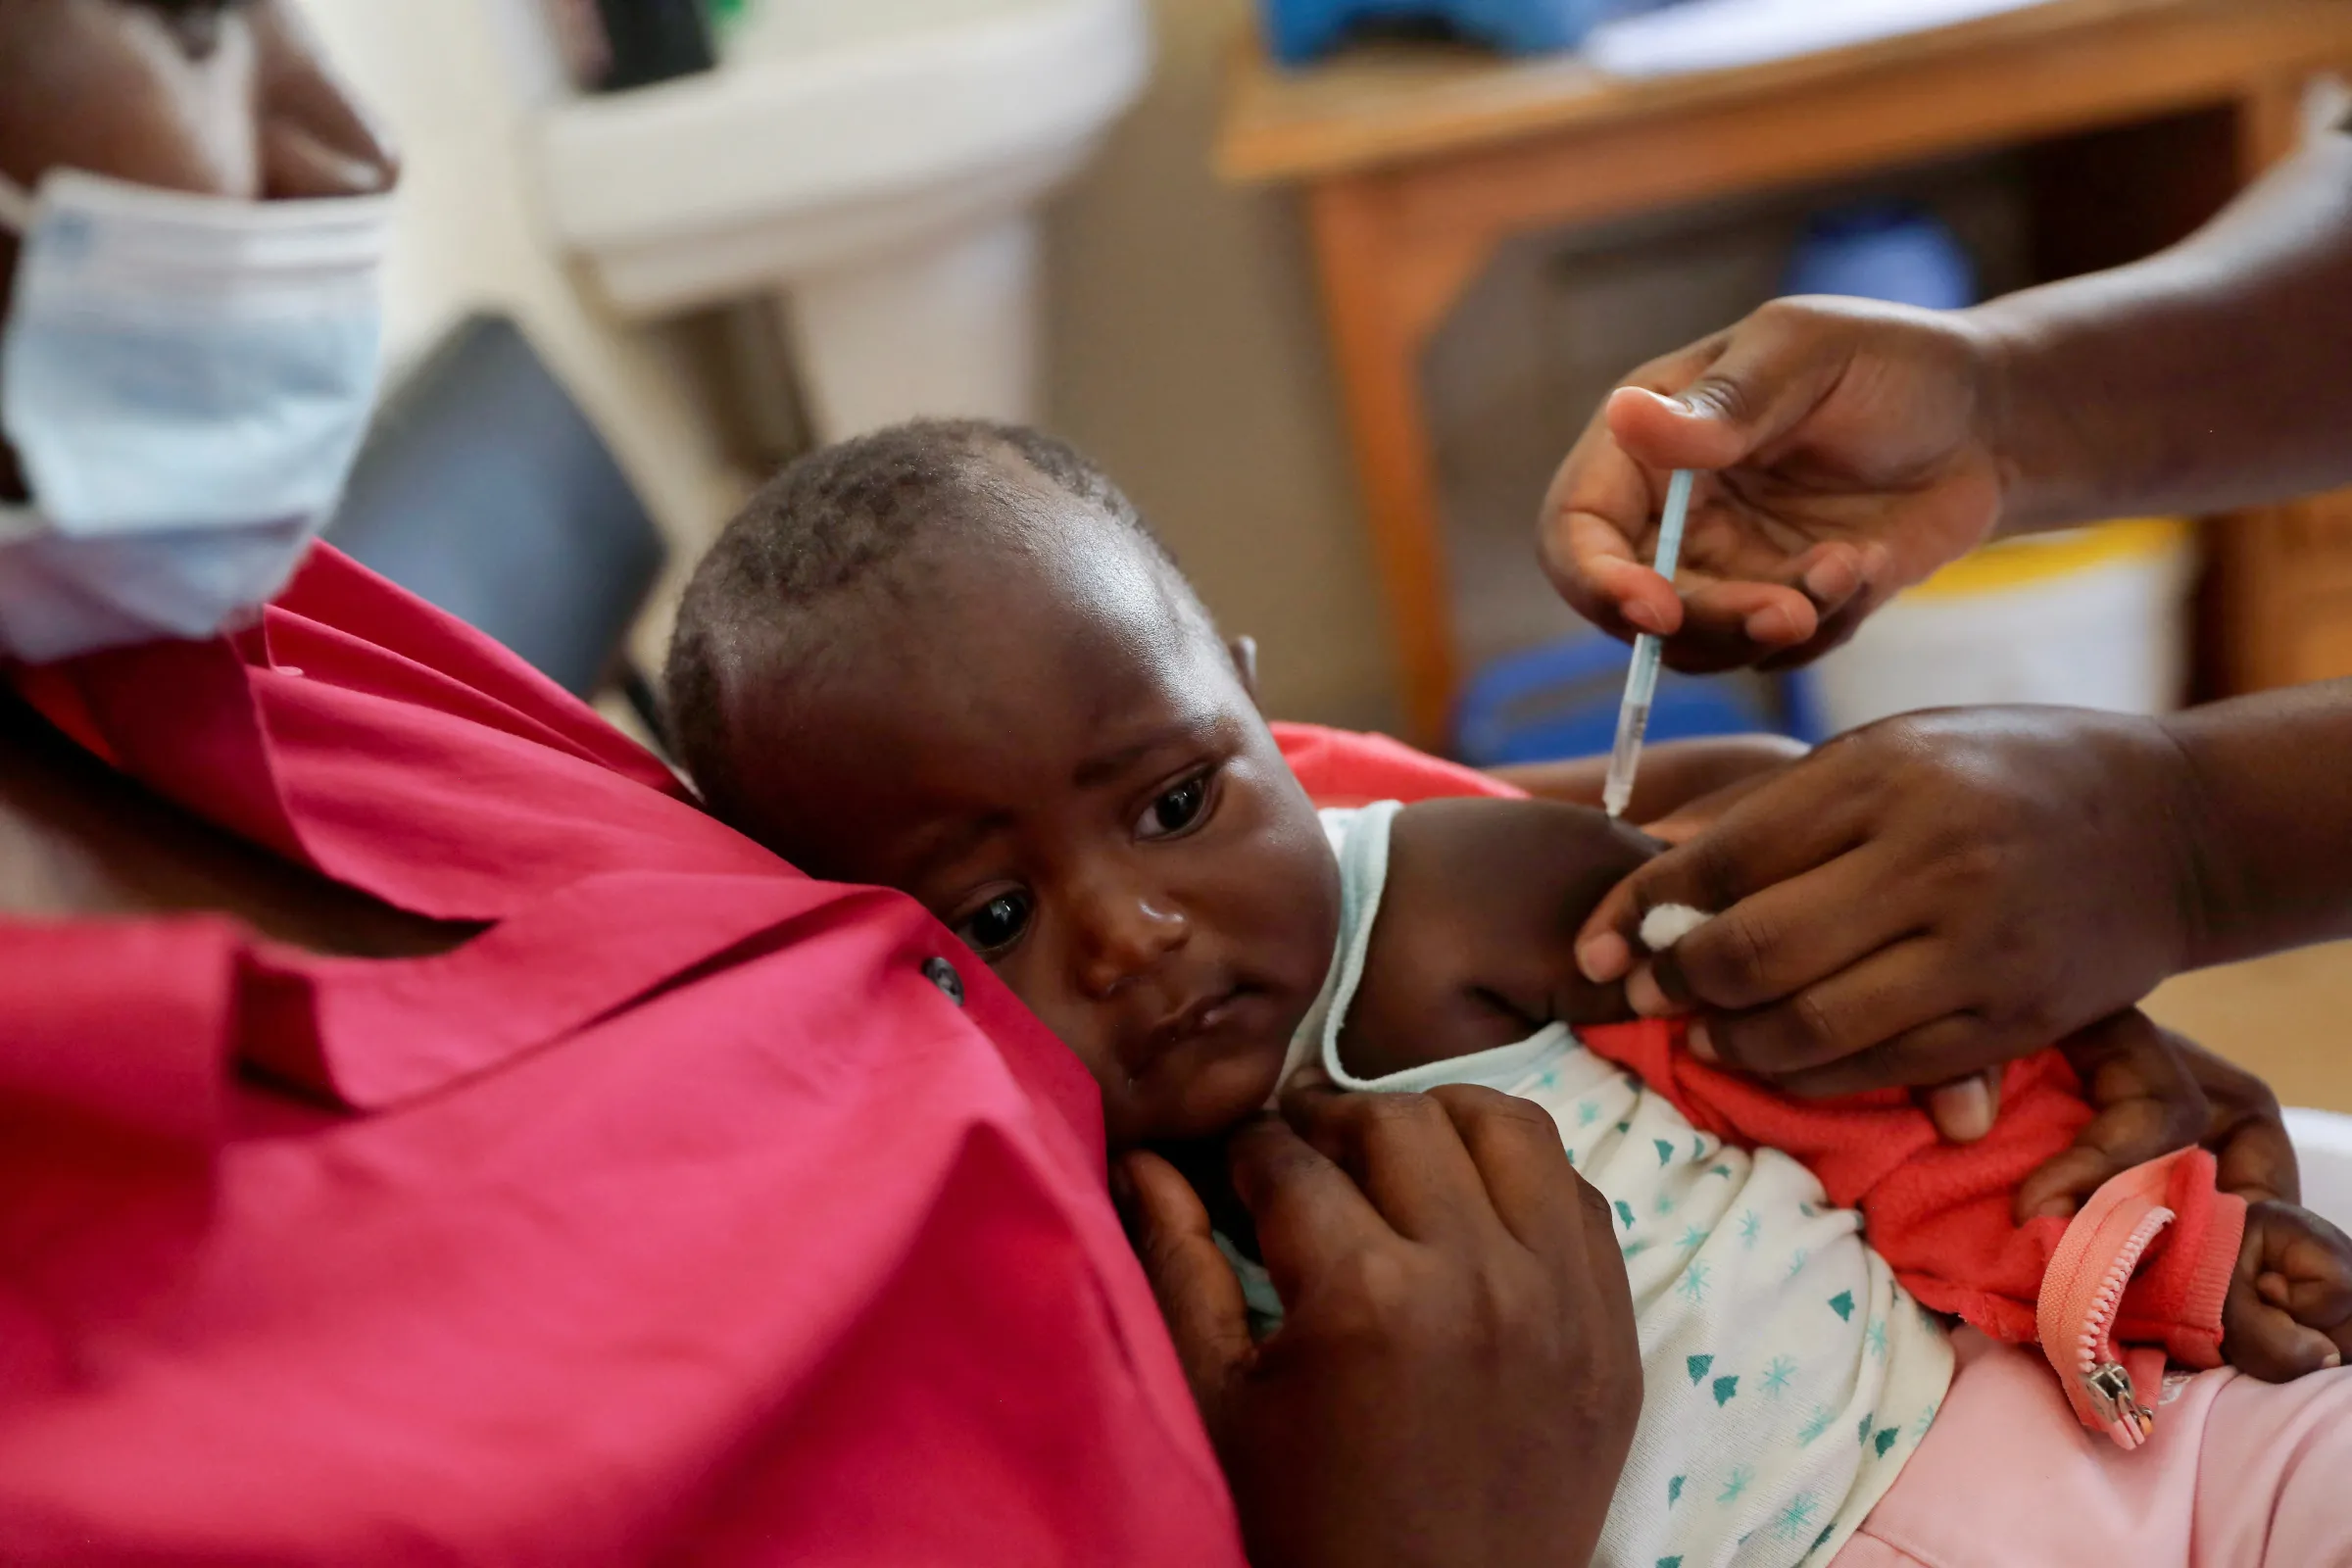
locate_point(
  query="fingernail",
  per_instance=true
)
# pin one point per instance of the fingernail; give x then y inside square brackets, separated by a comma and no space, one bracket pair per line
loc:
[1770,626]
[1701,1044]
[1830,580]
[1966,1110]
[1604,957]
[2332,1359]
[1643,996]
[1646,618]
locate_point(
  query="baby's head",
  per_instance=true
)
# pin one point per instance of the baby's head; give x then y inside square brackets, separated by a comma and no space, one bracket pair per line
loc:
[951,659]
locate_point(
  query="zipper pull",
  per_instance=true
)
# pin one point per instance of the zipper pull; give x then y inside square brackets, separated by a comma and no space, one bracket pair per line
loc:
[2118,1405]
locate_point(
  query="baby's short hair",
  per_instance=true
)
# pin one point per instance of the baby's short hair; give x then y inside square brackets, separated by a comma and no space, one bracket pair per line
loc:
[832,520]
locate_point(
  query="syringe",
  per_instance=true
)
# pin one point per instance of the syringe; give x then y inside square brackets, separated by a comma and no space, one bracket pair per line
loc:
[1641,682]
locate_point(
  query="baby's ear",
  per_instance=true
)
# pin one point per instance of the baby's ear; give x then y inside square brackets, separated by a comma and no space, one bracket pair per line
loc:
[1244,652]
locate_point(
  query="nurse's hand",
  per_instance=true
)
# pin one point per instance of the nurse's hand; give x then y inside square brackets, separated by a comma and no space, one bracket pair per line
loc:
[1456,1378]
[1847,450]
[1922,898]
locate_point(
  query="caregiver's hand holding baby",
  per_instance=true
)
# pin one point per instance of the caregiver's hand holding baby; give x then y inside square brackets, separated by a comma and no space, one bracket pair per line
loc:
[1459,1336]
[1940,892]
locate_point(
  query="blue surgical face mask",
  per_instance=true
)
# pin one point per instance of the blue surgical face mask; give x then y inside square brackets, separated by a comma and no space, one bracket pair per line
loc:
[186,380]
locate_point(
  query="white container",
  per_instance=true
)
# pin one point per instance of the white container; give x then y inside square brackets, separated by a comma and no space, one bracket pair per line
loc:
[2098,617]
[878,164]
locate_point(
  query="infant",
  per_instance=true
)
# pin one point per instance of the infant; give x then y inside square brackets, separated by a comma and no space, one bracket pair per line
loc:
[951,659]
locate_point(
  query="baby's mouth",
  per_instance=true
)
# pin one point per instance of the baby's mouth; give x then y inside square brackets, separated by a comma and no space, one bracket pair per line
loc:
[1206,1015]
[1204,1067]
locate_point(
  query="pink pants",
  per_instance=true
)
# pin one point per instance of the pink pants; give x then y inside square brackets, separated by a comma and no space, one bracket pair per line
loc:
[2240,1474]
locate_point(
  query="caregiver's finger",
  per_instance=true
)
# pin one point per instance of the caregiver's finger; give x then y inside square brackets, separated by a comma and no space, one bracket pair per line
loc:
[1940,1051]
[1879,998]
[1831,574]
[1835,630]
[1746,399]
[1310,1214]
[1597,510]
[1404,1153]
[1797,820]
[2144,1104]
[1839,622]
[1730,626]
[1792,934]
[1831,578]
[2125,1060]
[2248,1132]
[1694,817]
[1593,565]
[1964,1109]
[1773,370]
[1561,1219]
[1198,1294]
[1515,1148]
[1731,602]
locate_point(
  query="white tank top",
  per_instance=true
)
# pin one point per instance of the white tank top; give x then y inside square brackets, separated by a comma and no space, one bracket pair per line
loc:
[1786,1377]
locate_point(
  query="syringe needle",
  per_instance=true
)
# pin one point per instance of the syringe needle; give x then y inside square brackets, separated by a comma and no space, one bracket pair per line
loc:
[1642,681]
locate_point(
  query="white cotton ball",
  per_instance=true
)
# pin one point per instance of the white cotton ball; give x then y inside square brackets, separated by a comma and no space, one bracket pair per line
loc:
[1668,923]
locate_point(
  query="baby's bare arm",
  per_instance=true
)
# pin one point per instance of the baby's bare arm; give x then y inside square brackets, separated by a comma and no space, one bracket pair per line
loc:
[1675,774]
[1472,948]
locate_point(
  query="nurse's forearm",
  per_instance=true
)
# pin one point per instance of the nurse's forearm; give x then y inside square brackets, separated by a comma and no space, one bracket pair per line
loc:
[2217,373]
[2269,820]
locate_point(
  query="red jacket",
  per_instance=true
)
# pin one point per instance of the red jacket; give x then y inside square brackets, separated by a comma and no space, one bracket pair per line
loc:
[678,1217]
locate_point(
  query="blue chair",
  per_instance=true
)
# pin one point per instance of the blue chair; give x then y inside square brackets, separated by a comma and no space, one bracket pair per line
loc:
[1561,700]
[1892,251]
[1302,30]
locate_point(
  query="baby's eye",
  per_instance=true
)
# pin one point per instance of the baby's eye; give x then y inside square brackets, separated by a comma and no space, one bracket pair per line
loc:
[1177,809]
[996,924]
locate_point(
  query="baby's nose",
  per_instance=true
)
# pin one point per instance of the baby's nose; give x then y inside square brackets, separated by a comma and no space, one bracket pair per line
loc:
[1130,936]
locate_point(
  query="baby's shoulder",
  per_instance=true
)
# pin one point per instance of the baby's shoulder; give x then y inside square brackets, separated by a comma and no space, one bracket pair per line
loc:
[1473,943]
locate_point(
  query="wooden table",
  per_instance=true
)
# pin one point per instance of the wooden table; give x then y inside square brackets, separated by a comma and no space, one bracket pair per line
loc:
[1418,163]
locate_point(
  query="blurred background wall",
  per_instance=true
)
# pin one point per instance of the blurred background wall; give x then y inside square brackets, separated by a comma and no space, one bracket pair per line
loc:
[1186,352]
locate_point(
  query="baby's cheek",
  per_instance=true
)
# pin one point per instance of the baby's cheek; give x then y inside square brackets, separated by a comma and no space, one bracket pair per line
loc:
[1299,887]
[1226,1093]
[1077,1023]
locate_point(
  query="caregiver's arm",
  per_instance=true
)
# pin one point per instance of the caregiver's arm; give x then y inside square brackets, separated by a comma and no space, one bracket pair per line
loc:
[1457,1378]
[1938,893]
[2210,375]
[1852,447]
[2270,821]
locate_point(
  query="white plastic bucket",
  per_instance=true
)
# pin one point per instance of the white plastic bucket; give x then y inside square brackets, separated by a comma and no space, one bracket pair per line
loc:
[2096,617]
